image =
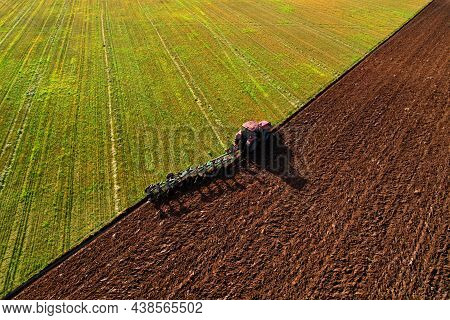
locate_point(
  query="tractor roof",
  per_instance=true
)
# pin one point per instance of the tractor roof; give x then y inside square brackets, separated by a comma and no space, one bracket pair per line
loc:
[251,125]
[264,124]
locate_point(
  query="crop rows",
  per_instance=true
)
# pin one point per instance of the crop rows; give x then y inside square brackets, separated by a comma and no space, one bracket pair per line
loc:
[99,98]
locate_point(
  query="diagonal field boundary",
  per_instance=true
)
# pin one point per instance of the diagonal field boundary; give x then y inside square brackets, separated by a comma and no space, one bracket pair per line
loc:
[356,64]
[129,210]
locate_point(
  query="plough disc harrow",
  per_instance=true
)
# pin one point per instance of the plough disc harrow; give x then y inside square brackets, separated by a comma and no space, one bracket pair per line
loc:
[191,175]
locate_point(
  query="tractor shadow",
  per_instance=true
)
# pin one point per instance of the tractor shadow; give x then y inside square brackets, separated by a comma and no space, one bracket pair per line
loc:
[277,158]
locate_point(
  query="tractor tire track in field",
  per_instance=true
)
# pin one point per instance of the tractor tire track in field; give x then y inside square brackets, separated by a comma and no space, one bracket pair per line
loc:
[250,63]
[368,220]
[27,189]
[58,69]
[299,50]
[190,83]
[66,242]
[11,86]
[111,115]
[11,11]
[311,29]
[5,172]
[27,104]
[24,27]
[17,22]
[38,178]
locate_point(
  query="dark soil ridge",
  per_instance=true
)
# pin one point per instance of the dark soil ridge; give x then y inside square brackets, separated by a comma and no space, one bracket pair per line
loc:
[88,271]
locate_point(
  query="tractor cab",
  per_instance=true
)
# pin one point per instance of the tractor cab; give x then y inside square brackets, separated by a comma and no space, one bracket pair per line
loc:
[252,135]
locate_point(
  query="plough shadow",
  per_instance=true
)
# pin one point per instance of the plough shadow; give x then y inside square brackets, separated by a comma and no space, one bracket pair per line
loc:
[208,189]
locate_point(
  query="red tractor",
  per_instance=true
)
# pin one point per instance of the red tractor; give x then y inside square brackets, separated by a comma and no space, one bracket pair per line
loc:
[252,135]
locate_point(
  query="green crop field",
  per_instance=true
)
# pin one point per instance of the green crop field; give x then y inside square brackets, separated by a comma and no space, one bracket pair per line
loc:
[99,98]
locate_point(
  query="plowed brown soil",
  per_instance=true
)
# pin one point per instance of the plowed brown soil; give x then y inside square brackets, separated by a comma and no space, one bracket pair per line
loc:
[365,214]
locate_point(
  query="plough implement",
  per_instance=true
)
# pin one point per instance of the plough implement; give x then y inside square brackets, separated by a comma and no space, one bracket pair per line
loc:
[250,138]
